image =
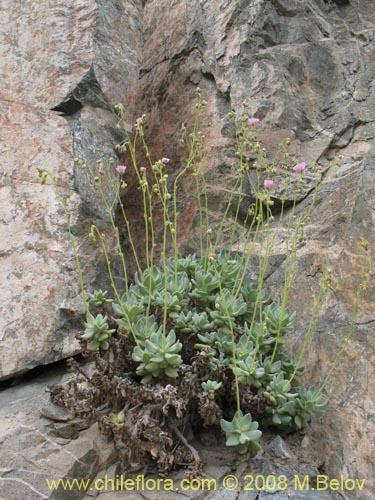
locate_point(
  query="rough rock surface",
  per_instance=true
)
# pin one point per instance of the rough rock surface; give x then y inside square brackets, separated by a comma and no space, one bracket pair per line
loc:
[307,70]
[73,57]
[32,451]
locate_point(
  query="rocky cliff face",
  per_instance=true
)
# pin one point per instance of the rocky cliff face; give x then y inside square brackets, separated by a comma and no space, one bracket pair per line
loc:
[307,70]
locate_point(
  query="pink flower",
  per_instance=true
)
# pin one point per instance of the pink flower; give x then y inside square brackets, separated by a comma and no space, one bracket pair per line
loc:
[268,184]
[165,160]
[121,169]
[253,121]
[139,120]
[142,170]
[300,167]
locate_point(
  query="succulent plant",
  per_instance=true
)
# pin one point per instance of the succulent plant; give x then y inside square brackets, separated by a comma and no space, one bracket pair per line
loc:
[249,371]
[228,269]
[146,327]
[183,322]
[242,432]
[245,347]
[152,281]
[172,303]
[193,321]
[97,332]
[261,337]
[197,319]
[205,285]
[280,416]
[289,365]
[117,420]
[278,390]
[219,341]
[270,367]
[211,386]
[178,284]
[201,308]
[251,294]
[279,321]
[129,310]
[227,309]
[308,402]
[99,298]
[185,264]
[158,355]
[201,323]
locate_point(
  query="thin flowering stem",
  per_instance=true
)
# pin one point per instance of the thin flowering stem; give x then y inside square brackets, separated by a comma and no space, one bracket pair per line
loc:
[200,179]
[240,187]
[197,181]
[237,188]
[263,265]
[263,229]
[161,190]
[146,195]
[164,197]
[208,228]
[117,233]
[225,215]
[147,198]
[129,232]
[194,146]
[146,217]
[111,277]
[148,208]
[318,304]
[98,183]
[264,252]
[196,161]
[63,201]
[258,218]
[290,272]
[280,156]
[130,146]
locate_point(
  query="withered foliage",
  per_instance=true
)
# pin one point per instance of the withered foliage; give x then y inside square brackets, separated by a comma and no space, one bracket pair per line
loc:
[159,419]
